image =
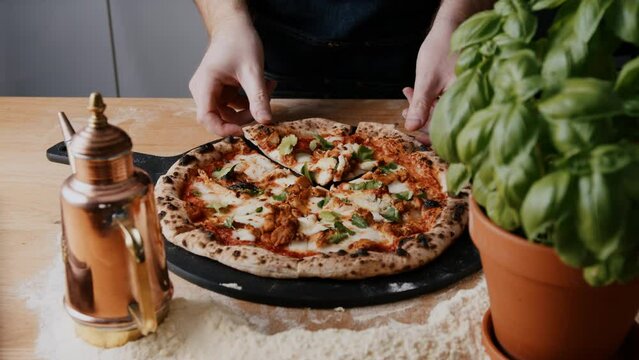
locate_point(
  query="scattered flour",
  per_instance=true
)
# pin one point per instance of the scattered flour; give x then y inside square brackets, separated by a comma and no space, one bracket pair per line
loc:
[199,327]
[231,286]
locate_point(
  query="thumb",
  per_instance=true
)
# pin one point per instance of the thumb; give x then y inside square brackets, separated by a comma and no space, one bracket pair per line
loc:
[419,109]
[258,95]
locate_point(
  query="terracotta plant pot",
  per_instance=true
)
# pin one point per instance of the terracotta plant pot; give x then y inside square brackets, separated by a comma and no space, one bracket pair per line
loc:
[543,309]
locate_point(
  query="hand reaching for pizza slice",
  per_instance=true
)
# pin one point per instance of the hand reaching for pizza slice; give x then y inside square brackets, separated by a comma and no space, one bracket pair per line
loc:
[233,60]
[435,68]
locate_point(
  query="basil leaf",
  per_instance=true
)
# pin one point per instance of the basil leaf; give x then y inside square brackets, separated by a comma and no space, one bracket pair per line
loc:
[246,188]
[329,216]
[627,83]
[339,226]
[456,178]
[582,99]
[545,204]
[391,214]
[477,29]
[366,185]
[602,210]
[484,183]
[623,18]
[388,168]
[307,173]
[467,59]
[364,153]
[546,4]
[337,237]
[259,209]
[404,195]
[515,133]
[359,221]
[196,193]
[228,222]
[323,143]
[468,94]
[501,214]
[287,144]
[280,197]
[225,172]
[473,140]
[323,202]
[520,23]
[570,136]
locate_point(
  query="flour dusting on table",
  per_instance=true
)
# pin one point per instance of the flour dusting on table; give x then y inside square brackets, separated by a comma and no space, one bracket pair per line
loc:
[198,327]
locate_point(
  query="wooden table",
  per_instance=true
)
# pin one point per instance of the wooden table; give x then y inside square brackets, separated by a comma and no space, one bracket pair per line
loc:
[29,206]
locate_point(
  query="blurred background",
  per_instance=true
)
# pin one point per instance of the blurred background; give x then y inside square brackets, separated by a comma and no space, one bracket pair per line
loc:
[133,48]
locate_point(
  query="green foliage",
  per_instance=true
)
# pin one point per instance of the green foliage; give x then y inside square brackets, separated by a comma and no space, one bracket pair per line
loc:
[547,130]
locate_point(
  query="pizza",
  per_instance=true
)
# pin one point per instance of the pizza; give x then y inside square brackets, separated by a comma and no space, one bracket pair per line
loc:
[312,198]
[313,146]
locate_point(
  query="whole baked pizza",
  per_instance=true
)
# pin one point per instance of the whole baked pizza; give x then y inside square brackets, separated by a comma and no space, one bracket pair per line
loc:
[312,198]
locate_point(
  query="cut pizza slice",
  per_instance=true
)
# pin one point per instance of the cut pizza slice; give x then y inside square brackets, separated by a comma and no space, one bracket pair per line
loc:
[320,149]
[376,211]
[243,197]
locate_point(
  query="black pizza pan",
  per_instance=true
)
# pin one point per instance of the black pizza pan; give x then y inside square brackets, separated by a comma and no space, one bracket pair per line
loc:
[455,263]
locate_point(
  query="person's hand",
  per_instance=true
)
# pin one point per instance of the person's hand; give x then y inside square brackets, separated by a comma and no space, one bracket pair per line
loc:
[434,72]
[234,59]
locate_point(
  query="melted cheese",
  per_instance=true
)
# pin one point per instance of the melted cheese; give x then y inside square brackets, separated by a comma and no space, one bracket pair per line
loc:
[323,170]
[246,214]
[397,187]
[302,158]
[243,234]
[312,203]
[255,166]
[368,165]
[341,165]
[215,193]
[334,138]
[309,225]
[352,147]
[286,181]
[369,202]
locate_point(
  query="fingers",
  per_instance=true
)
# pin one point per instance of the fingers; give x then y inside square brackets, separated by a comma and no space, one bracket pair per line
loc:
[207,93]
[422,99]
[214,123]
[254,86]
[408,92]
[240,117]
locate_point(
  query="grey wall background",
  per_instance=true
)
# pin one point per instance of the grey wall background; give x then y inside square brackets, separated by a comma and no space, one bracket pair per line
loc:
[66,47]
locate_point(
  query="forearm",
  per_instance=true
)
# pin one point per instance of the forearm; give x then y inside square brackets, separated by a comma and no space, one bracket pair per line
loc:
[216,12]
[454,12]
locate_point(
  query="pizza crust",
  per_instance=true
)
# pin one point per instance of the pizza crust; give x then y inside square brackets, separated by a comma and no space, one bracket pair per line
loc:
[305,127]
[412,252]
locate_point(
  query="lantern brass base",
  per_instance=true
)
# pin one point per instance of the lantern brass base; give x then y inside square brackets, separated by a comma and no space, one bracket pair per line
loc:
[110,337]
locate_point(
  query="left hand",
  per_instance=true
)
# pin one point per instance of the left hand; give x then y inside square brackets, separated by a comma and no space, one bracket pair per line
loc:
[434,73]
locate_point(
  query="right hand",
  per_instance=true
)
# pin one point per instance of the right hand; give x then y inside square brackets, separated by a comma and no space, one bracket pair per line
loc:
[234,59]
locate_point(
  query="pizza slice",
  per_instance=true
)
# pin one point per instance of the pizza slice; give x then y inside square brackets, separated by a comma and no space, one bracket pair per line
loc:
[244,198]
[322,150]
[377,210]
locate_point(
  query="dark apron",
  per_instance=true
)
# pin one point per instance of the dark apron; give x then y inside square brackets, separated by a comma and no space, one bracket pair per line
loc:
[341,49]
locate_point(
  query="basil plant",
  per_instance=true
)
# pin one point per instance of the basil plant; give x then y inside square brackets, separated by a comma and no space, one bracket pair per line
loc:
[545,126]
